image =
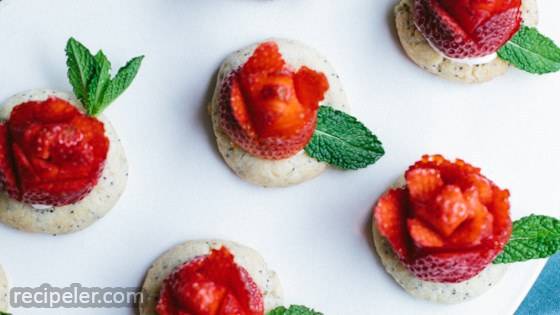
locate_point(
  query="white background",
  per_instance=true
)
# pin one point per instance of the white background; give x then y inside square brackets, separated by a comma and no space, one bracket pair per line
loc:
[315,235]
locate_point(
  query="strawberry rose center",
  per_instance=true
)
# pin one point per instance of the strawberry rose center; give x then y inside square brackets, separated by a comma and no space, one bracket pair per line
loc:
[210,285]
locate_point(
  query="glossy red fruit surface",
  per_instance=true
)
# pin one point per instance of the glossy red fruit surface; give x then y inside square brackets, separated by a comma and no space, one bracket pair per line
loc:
[467,28]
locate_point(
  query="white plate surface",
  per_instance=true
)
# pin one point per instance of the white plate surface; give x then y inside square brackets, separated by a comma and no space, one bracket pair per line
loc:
[316,235]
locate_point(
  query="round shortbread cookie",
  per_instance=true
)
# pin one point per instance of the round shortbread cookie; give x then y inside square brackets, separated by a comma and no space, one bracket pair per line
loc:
[247,258]
[78,216]
[420,51]
[298,168]
[4,291]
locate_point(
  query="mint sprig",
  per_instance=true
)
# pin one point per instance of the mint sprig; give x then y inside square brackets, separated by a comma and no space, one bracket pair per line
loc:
[90,77]
[4,313]
[533,237]
[293,310]
[342,141]
[531,51]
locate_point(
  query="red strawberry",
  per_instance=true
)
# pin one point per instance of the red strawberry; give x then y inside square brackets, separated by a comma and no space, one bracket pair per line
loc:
[423,183]
[52,153]
[467,28]
[451,210]
[7,176]
[482,185]
[454,231]
[310,87]
[391,221]
[266,58]
[267,109]
[210,285]
[422,235]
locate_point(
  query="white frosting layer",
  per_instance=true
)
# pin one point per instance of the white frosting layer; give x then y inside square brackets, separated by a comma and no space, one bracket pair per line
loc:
[467,61]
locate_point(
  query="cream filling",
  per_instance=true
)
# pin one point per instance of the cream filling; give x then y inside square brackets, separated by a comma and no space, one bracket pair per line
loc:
[467,61]
[41,207]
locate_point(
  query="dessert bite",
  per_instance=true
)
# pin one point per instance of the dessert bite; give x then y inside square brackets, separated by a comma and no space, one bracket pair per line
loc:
[62,166]
[445,234]
[210,277]
[474,41]
[279,114]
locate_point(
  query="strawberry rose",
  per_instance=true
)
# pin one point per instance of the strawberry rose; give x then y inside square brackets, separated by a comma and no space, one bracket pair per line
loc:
[448,223]
[51,153]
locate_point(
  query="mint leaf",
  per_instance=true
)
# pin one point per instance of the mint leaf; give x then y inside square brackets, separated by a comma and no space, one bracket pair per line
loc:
[533,237]
[3,313]
[81,68]
[90,77]
[294,310]
[121,82]
[99,82]
[531,51]
[341,140]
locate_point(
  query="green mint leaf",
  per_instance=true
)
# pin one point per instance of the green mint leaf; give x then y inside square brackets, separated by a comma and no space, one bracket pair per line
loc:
[81,68]
[4,313]
[531,51]
[90,77]
[99,82]
[120,83]
[342,141]
[293,310]
[533,237]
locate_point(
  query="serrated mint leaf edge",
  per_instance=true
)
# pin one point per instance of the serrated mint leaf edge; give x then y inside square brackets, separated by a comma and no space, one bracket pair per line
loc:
[504,258]
[504,54]
[81,67]
[294,310]
[311,149]
[122,81]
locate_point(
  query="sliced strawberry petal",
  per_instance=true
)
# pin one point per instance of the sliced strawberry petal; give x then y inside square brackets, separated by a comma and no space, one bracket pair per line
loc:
[422,235]
[266,58]
[230,306]
[310,87]
[477,227]
[423,183]
[390,219]
[239,109]
[7,176]
[483,186]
